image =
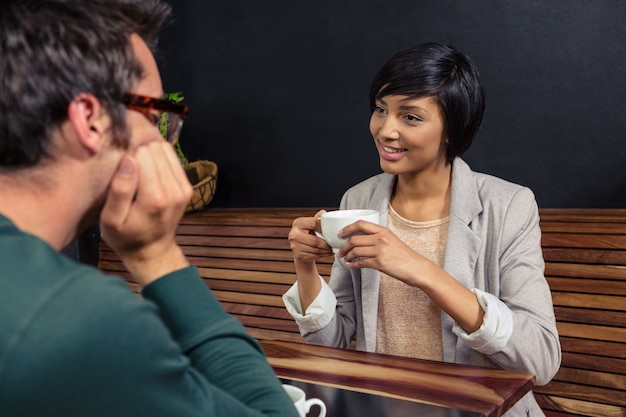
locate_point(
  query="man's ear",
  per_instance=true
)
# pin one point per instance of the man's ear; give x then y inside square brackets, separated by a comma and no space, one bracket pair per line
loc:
[89,120]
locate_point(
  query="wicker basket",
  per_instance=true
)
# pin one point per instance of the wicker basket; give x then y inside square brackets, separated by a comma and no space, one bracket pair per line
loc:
[204,187]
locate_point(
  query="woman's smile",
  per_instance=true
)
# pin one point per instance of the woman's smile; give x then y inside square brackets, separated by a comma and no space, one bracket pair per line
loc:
[391,153]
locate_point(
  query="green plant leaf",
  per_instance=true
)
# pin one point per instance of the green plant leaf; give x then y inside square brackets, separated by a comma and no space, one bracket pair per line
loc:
[175,97]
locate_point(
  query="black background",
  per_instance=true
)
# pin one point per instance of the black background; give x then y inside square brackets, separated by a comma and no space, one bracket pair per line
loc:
[278,92]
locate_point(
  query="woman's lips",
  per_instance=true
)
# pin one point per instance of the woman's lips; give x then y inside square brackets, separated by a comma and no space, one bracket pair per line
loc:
[390,153]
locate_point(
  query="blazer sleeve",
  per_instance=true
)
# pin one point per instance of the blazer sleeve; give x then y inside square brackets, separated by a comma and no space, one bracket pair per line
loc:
[534,343]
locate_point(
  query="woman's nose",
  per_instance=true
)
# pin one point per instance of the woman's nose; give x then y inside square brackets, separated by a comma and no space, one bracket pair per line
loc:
[389,128]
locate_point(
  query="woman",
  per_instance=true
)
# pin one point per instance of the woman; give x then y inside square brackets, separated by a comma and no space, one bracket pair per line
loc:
[455,270]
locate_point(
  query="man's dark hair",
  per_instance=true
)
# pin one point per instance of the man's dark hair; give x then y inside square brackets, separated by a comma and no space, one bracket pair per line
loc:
[53,50]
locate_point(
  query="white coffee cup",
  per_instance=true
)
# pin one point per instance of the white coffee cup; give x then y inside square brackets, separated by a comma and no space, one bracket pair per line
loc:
[333,221]
[301,403]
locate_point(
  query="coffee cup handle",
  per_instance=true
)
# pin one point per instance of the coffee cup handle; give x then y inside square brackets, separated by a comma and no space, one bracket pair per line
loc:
[318,234]
[316,401]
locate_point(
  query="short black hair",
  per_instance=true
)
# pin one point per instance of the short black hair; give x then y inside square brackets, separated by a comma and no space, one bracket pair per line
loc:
[439,71]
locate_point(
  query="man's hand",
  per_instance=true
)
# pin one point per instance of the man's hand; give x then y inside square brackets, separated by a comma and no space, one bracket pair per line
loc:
[145,202]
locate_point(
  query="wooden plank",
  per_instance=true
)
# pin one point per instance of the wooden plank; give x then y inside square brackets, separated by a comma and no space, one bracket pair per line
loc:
[251,265]
[134,286]
[581,240]
[592,378]
[593,347]
[268,323]
[608,398]
[252,276]
[590,316]
[243,264]
[241,231]
[582,215]
[593,363]
[211,243]
[248,216]
[590,286]
[579,407]
[112,266]
[549,413]
[603,302]
[602,227]
[259,299]
[105,250]
[243,253]
[265,334]
[586,256]
[245,288]
[586,331]
[267,254]
[584,392]
[574,270]
[254,310]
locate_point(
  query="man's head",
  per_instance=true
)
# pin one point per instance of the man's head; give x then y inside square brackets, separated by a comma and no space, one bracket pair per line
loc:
[51,51]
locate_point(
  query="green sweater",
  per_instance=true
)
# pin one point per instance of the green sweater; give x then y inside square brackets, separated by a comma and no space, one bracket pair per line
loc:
[75,342]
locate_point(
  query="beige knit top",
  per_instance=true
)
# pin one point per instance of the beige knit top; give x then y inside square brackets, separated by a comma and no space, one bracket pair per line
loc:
[409,323]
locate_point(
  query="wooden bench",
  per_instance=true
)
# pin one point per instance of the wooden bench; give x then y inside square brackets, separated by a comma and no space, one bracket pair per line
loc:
[244,256]
[585,253]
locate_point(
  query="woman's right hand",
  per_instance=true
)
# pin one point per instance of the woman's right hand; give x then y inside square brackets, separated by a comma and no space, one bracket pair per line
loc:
[305,245]
[307,248]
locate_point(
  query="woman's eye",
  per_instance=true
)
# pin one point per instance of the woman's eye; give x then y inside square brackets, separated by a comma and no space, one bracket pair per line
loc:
[378,109]
[412,118]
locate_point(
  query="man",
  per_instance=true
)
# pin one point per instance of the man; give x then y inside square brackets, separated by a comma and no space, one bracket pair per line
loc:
[79,105]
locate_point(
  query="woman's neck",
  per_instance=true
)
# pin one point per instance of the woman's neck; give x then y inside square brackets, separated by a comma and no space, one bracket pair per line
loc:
[423,197]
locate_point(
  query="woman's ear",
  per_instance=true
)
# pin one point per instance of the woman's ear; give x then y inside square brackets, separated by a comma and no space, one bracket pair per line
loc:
[89,120]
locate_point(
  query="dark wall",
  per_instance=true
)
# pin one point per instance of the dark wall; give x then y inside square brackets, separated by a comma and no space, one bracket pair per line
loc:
[278,92]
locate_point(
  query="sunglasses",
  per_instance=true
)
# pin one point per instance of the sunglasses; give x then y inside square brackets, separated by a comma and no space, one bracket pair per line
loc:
[167,116]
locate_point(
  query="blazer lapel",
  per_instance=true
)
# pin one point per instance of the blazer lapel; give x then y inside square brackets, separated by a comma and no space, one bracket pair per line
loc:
[462,245]
[370,278]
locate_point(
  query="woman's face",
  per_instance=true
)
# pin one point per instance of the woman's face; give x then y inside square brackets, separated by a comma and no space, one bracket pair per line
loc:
[409,134]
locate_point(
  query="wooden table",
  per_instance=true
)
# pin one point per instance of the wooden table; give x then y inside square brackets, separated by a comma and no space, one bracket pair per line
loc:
[488,392]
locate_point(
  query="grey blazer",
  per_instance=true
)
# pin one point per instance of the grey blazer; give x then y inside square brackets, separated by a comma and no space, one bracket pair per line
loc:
[494,245]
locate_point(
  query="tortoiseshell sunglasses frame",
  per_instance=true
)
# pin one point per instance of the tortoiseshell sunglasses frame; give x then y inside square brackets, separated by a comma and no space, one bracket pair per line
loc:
[144,104]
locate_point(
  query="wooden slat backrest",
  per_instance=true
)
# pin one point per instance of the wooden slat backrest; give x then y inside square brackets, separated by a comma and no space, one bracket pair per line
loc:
[585,254]
[244,256]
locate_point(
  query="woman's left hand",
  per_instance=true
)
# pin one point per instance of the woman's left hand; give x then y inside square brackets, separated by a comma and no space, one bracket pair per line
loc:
[374,246]
[379,248]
